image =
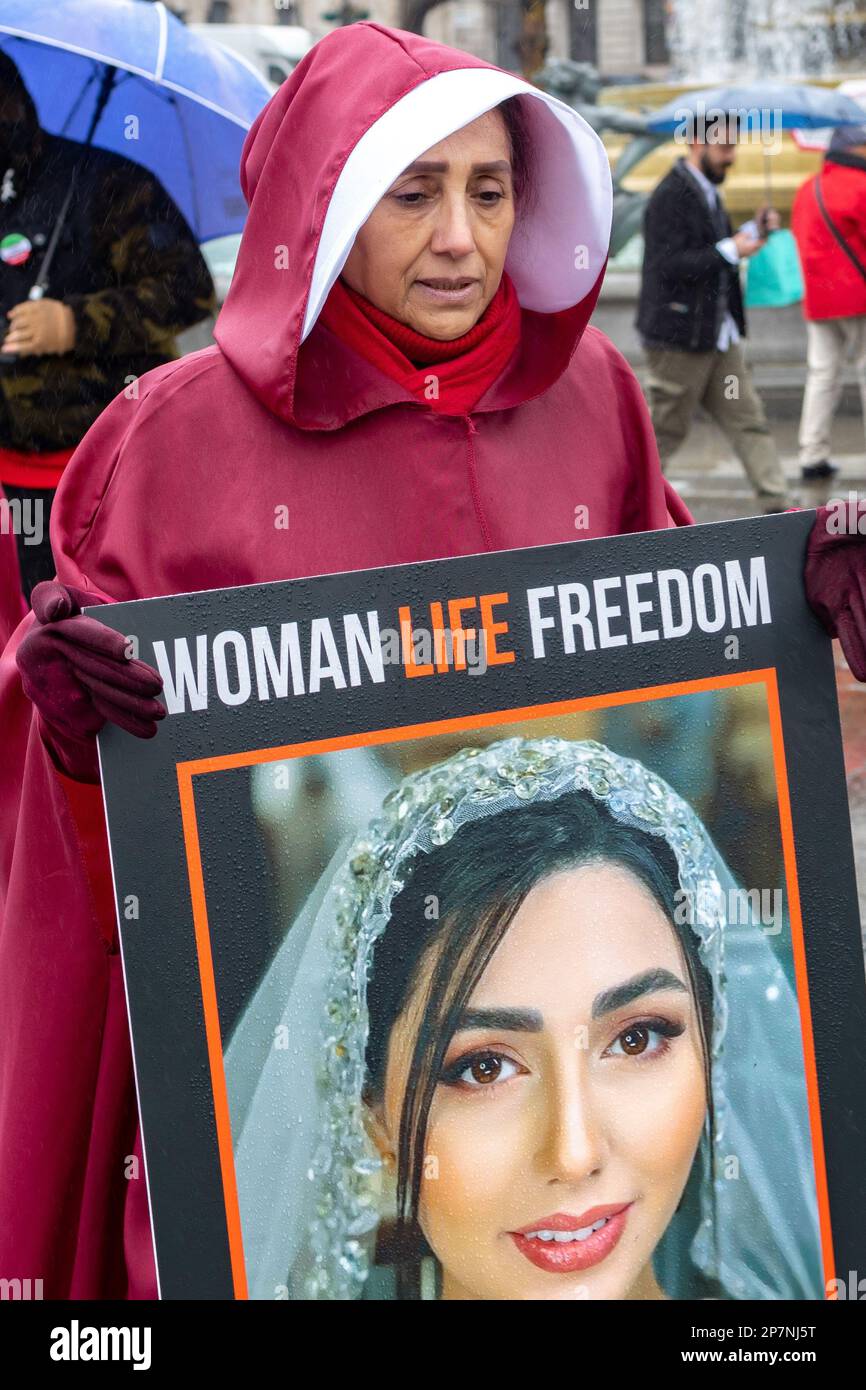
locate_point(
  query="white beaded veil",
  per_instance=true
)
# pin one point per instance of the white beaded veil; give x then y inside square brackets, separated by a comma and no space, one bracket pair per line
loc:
[306,1172]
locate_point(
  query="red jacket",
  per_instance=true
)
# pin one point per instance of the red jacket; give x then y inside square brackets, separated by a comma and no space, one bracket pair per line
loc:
[178,488]
[834,287]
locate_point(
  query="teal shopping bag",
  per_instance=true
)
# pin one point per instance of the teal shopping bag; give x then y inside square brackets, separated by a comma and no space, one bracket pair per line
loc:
[773,277]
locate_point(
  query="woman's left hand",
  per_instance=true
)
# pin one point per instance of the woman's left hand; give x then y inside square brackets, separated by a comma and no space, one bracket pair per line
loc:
[835,578]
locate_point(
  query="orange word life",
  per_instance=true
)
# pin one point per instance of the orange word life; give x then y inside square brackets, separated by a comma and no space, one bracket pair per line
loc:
[450,639]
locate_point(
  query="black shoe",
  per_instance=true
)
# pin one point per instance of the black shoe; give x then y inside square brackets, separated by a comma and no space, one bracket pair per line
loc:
[813,471]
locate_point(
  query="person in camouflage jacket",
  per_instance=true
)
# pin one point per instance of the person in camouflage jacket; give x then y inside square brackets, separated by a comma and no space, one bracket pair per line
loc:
[126,277]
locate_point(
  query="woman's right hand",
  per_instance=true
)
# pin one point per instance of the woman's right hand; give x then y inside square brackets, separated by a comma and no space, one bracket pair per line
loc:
[77,673]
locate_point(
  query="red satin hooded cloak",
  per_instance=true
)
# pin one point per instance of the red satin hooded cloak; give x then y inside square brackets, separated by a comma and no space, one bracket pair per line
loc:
[176,487]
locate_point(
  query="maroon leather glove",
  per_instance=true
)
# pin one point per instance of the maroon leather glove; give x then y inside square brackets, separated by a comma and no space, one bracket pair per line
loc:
[76,672]
[835,577]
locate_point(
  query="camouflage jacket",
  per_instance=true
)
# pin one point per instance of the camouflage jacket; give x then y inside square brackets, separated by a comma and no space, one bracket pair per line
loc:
[127,265]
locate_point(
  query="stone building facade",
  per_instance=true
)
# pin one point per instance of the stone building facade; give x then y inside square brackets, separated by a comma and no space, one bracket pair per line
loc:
[623,38]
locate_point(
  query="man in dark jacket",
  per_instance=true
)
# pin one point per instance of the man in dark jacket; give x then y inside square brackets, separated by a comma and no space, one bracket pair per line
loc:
[126,277]
[691,317]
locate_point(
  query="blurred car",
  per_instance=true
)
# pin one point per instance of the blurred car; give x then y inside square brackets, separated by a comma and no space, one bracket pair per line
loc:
[274,50]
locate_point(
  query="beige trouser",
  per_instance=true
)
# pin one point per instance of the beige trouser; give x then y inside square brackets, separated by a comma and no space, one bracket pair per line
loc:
[678,382]
[830,342]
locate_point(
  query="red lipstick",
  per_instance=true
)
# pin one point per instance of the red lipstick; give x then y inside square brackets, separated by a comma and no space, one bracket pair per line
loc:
[562,1243]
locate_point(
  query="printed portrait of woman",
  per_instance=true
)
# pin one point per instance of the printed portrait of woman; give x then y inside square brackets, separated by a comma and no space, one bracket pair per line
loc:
[512,1048]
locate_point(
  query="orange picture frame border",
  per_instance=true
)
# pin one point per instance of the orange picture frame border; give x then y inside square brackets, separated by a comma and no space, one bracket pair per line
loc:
[188,770]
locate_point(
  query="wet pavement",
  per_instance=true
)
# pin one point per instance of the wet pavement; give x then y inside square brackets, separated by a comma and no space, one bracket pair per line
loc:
[714,487]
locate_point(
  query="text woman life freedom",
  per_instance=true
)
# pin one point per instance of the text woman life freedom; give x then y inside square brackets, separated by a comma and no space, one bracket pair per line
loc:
[302,658]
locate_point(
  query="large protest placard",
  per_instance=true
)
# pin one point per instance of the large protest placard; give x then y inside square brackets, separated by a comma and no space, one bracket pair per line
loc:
[490,929]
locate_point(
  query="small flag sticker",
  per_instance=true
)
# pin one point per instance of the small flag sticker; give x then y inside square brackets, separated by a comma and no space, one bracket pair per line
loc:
[15,249]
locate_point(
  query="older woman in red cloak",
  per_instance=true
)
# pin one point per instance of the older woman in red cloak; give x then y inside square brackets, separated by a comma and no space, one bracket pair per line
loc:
[403,371]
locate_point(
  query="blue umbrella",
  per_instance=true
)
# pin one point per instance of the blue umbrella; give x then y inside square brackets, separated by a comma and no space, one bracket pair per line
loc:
[761,106]
[129,77]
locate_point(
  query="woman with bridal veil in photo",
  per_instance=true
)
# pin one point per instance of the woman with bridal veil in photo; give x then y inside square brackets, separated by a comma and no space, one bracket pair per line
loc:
[512,1048]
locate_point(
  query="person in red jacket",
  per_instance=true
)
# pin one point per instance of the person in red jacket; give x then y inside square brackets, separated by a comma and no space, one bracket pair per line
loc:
[403,370]
[831,240]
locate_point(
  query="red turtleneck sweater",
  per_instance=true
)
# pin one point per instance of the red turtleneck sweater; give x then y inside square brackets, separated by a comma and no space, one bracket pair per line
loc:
[451,376]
